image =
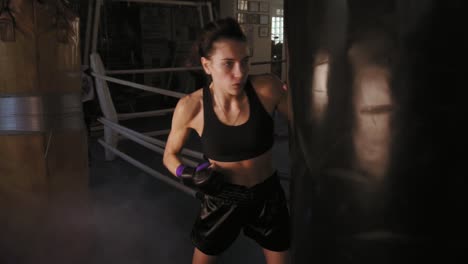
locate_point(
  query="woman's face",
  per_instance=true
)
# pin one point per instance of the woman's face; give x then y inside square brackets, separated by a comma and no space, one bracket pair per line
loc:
[228,65]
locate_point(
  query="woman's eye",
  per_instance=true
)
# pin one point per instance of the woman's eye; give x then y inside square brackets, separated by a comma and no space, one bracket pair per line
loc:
[228,63]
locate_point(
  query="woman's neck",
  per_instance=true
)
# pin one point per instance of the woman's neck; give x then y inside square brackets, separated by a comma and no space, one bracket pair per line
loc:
[225,98]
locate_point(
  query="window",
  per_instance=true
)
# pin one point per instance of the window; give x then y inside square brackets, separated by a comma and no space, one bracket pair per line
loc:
[277,29]
[279,12]
[241,18]
[242,5]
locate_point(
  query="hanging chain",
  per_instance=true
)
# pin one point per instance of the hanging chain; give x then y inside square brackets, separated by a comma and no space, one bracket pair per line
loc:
[5,6]
[7,22]
[62,22]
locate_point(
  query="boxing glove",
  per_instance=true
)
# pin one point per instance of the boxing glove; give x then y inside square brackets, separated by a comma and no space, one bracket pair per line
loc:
[203,177]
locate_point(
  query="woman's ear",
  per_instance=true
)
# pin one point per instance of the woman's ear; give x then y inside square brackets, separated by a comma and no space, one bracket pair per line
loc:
[205,64]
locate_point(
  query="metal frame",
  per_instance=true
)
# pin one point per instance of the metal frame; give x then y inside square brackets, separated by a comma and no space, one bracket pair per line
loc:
[89,21]
[97,16]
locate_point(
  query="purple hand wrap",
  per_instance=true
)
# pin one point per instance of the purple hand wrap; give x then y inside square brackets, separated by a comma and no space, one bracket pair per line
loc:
[179,170]
[202,178]
[202,166]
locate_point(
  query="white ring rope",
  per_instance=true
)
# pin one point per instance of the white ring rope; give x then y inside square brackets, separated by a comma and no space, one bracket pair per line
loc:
[157,132]
[149,170]
[139,86]
[152,133]
[177,69]
[136,135]
[126,116]
[154,70]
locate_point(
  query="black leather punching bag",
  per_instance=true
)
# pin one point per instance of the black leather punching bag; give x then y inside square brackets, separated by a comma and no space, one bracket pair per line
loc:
[376,144]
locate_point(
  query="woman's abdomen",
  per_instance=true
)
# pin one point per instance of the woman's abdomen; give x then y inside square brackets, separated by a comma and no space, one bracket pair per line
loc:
[246,172]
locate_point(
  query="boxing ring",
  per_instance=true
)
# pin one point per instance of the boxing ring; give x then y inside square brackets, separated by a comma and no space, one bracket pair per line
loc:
[113,131]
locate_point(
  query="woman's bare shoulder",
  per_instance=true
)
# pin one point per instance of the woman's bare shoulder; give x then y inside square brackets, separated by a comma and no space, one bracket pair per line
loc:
[190,105]
[191,101]
[268,85]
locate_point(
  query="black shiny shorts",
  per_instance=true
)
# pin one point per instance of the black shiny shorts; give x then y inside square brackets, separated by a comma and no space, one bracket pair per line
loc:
[260,211]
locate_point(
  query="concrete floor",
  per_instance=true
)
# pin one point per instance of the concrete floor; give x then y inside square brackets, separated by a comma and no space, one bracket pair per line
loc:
[140,219]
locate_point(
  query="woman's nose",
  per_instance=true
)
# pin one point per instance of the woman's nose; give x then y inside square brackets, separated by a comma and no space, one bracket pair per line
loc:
[240,70]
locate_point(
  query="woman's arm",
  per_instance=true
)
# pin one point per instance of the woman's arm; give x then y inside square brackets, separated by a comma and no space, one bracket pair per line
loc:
[273,93]
[180,130]
[283,104]
[280,96]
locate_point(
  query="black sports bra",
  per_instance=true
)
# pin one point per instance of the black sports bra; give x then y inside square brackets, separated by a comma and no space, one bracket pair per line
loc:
[227,143]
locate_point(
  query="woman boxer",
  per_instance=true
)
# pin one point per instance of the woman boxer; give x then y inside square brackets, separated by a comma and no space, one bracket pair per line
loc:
[233,117]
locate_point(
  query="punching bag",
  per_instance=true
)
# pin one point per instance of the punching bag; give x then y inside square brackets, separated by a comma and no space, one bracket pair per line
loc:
[43,148]
[376,144]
